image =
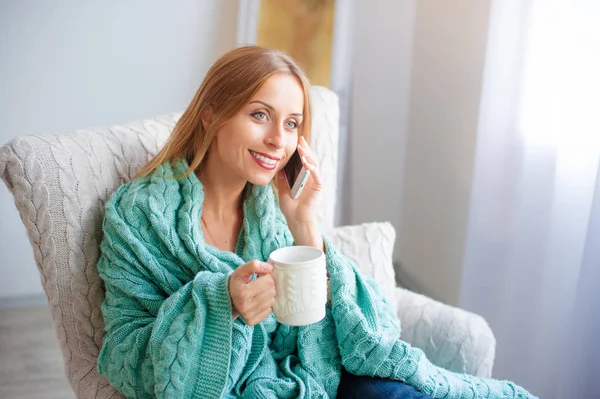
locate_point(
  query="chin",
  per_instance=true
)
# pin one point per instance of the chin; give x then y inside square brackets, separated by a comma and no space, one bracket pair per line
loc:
[260,180]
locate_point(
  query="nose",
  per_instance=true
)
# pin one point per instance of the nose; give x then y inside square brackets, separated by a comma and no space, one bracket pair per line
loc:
[275,137]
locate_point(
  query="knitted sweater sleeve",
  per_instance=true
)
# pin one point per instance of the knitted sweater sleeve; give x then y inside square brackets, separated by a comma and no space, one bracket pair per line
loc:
[162,338]
[368,336]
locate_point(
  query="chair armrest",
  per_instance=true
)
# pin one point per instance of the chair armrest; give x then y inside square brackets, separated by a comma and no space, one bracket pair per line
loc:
[451,338]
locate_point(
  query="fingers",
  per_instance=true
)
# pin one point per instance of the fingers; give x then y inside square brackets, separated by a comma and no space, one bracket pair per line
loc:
[306,152]
[261,284]
[245,271]
[258,306]
[314,173]
[309,161]
[252,299]
[265,299]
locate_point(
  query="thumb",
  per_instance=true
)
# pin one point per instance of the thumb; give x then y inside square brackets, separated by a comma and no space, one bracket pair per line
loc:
[245,271]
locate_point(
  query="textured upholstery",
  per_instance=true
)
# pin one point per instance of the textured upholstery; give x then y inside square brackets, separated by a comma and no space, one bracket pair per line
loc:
[370,246]
[453,338]
[61,181]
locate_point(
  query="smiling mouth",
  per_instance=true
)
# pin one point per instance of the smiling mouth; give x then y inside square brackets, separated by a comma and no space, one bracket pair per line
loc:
[269,163]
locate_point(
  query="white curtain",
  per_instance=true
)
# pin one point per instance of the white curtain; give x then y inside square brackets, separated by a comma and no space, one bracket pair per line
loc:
[532,259]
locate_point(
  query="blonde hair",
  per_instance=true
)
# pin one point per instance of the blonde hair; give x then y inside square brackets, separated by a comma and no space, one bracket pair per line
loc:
[228,86]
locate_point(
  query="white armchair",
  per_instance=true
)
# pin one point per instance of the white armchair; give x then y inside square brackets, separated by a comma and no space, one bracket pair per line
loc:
[60,183]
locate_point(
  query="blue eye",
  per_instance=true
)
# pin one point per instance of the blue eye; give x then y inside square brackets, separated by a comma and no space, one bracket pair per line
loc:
[261,116]
[291,124]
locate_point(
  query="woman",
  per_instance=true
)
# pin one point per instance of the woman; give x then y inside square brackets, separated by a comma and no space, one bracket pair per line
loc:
[186,316]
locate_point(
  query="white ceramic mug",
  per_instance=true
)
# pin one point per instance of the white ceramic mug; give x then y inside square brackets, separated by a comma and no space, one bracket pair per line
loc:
[300,278]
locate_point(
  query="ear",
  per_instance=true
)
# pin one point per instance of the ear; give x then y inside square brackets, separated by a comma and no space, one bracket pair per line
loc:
[206,117]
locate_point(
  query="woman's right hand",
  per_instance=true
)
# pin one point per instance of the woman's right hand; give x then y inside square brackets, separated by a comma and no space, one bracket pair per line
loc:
[252,299]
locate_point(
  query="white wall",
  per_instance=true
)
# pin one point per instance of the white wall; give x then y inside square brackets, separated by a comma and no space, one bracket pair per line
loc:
[417,81]
[71,64]
[448,58]
[379,110]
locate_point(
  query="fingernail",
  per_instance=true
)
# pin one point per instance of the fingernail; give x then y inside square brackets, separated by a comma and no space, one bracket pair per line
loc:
[303,159]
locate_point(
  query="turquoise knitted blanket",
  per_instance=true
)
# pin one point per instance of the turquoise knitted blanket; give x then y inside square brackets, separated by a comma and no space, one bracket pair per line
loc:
[168,326]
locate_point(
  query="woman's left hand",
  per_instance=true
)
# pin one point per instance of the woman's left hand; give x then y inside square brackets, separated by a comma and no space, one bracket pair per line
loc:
[301,214]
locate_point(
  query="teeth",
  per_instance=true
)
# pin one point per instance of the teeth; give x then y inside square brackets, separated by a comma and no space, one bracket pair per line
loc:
[266,160]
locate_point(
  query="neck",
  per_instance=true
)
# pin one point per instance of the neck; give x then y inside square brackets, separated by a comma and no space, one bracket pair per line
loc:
[222,195]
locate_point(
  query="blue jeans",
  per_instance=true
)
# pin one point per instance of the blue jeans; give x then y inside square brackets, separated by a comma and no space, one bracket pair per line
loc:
[354,387]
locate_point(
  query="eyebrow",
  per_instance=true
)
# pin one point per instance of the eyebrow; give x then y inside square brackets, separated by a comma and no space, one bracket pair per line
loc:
[273,109]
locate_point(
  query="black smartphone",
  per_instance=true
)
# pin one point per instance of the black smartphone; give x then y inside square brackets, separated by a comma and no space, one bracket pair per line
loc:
[292,168]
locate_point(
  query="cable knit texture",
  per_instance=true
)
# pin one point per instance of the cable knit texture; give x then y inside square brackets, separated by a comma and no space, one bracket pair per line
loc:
[61,182]
[167,311]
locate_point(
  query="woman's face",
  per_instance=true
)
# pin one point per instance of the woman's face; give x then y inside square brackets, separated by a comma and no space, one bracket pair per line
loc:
[258,141]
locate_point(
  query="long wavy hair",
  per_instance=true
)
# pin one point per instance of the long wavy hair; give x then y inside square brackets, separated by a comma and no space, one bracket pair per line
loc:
[229,85]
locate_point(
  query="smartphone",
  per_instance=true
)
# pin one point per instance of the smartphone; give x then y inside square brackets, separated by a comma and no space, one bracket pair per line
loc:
[297,175]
